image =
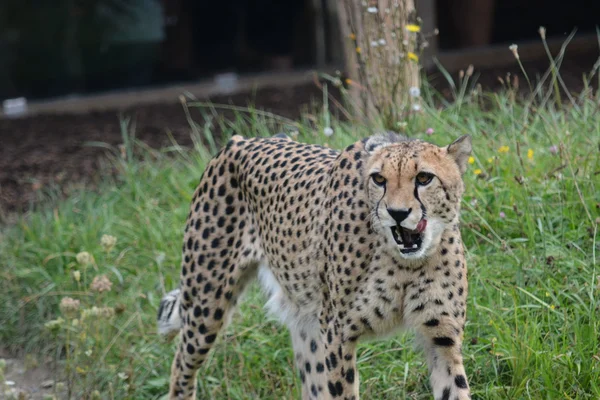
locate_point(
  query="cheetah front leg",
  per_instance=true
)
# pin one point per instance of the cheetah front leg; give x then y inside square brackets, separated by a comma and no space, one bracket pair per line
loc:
[340,360]
[309,355]
[442,342]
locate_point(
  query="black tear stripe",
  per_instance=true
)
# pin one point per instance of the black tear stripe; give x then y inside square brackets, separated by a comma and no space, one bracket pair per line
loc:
[379,202]
[423,209]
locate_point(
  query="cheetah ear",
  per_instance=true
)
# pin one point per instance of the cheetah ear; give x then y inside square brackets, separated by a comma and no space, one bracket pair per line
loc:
[380,140]
[460,151]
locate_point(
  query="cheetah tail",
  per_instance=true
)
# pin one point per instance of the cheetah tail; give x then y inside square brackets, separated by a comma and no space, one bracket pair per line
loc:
[169,319]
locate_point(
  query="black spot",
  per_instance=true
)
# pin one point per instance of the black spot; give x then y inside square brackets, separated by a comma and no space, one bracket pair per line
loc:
[333,360]
[339,387]
[332,389]
[320,367]
[218,314]
[350,376]
[446,394]
[432,322]
[313,346]
[460,381]
[444,341]
[190,349]
[420,307]
[210,338]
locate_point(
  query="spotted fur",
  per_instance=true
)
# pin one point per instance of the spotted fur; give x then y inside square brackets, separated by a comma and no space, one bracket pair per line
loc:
[316,226]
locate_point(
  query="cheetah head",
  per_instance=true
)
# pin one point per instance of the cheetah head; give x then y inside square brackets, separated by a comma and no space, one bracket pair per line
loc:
[414,190]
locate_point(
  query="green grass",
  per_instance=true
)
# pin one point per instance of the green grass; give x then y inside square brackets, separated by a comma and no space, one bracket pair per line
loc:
[530,226]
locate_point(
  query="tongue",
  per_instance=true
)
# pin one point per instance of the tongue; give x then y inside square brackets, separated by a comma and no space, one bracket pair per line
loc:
[421,225]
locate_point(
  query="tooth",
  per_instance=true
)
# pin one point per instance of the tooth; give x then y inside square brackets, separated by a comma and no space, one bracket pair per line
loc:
[415,246]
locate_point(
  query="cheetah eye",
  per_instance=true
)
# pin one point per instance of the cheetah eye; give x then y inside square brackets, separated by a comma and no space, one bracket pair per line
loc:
[424,178]
[378,179]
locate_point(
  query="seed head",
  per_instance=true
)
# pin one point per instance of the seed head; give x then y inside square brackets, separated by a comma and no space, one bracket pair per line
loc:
[100,284]
[108,242]
[84,258]
[69,307]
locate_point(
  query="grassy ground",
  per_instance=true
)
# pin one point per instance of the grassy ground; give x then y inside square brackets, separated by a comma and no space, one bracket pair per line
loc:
[530,225]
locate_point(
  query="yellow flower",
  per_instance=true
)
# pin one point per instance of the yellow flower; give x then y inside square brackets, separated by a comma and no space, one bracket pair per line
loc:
[503,149]
[491,160]
[358,50]
[413,56]
[471,160]
[348,81]
[552,306]
[530,154]
[413,28]
[352,36]
[478,171]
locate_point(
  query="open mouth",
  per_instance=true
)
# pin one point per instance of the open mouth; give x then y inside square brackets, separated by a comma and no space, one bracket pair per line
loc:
[410,241]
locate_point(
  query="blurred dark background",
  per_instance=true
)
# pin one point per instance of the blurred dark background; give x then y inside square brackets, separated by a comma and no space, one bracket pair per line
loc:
[55,47]
[51,48]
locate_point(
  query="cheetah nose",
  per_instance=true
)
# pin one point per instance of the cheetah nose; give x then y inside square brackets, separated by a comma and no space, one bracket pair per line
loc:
[399,214]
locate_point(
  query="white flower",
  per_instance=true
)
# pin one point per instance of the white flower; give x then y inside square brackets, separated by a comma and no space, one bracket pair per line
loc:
[381,42]
[108,242]
[372,10]
[515,50]
[84,258]
[414,91]
[374,43]
[416,107]
[328,131]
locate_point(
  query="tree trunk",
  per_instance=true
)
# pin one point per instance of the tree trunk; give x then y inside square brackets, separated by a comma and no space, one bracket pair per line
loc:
[382,58]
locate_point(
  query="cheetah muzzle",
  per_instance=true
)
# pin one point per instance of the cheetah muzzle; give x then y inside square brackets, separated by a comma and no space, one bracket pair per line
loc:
[347,246]
[409,240]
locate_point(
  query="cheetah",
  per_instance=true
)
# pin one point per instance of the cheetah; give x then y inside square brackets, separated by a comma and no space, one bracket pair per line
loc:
[347,245]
